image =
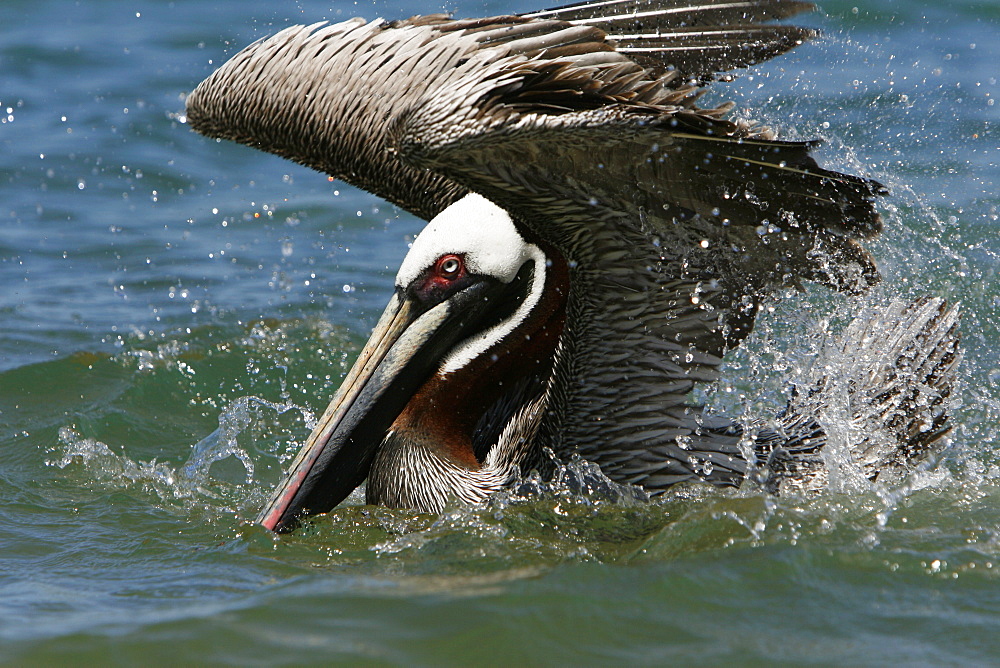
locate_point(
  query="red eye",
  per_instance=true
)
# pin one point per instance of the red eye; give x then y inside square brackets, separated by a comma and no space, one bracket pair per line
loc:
[449,266]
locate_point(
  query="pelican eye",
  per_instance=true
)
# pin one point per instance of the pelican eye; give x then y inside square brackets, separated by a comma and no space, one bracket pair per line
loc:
[449,266]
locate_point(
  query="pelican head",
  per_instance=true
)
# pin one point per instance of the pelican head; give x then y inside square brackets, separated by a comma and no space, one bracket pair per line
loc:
[437,406]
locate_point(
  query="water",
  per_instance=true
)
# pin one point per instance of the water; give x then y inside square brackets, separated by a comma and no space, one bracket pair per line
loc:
[177,310]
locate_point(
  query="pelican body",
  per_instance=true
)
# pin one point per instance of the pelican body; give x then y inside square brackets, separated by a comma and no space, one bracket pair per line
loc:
[596,243]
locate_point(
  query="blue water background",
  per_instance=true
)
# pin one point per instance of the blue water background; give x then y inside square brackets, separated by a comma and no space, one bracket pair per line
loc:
[155,281]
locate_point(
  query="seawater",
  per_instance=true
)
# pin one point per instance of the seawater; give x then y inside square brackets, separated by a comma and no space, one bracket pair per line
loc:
[176,311]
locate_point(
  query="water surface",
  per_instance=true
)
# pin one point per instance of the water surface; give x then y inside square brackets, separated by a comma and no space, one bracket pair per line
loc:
[176,310]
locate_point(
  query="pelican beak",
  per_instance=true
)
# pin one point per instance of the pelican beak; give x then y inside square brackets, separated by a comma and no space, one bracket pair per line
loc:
[404,349]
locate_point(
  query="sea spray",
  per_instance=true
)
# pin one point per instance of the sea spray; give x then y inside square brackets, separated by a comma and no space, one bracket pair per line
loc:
[204,479]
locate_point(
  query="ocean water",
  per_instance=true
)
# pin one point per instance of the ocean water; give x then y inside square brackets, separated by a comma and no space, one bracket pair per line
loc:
[176,310]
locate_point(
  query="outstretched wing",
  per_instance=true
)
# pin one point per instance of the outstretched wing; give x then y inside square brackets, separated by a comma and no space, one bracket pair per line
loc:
[326,96]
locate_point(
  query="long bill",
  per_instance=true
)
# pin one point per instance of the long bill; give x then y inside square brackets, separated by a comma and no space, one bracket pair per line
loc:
[404,349]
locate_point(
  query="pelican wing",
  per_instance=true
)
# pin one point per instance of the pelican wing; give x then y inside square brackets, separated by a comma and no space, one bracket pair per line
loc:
[326,95]
[565,145]
[323,95]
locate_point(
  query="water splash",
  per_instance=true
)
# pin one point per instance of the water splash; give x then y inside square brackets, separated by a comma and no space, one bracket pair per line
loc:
[243,415]
[208,477]
[577,478]
[153,476]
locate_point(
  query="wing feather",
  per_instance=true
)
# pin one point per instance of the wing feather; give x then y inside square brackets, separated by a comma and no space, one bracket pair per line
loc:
[557,141]
[303,92]
[697,40]
[323,96]
[677,12]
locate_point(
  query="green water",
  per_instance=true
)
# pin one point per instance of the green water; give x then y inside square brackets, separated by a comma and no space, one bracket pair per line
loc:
[177,310]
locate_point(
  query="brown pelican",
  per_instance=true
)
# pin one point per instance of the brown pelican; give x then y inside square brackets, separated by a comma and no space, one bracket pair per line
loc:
[597,242]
